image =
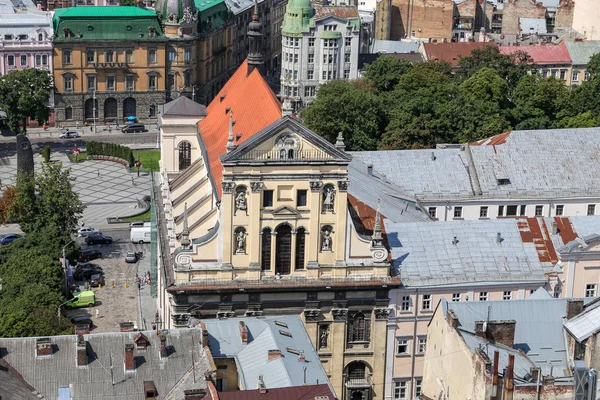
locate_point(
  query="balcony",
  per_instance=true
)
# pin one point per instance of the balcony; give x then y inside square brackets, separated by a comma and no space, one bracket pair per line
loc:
[358,383]
[111,65]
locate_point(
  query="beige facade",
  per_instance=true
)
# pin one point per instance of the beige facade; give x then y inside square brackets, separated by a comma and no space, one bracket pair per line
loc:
[586,18]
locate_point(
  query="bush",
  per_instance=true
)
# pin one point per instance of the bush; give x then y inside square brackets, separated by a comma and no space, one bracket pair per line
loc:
[46,153]
[111,150]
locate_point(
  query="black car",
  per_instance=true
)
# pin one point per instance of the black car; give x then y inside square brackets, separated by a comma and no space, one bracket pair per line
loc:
[9,238]
[86,270]
[89,254]
[134,127]
[96,280]
[98,239]
[82,320]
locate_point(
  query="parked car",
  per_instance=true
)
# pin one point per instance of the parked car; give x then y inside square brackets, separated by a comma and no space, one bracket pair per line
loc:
[132,257]
[9,238]
[98,239]
[86,270]
[138,224]
[89,254]
[82,320]
[134,127]
[69,135]
[96,280]
[86,231]
[82,299]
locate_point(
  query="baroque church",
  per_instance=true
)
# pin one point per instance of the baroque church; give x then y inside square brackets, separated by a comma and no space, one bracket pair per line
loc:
[258,215]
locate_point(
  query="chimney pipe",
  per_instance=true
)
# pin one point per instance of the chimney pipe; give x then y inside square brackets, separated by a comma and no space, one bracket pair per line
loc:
[163,346]
[274,354]
[495,376]
[509,379]
[129,358]
[554,226]
[499,238]
[370,169]
[262,388]
[455,240]
[204,334]
[243,332]
[433,156]
[81,351]
[43,347]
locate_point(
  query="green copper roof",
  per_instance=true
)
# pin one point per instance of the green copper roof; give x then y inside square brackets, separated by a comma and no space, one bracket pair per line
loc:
[213,10]
[297,17]
[98,23]
[203,5]
[103,12]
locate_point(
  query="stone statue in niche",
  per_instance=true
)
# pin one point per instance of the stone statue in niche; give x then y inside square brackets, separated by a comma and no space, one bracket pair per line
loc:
[240,238]
[328,199]
[240,201]
[323,336]
[326,239]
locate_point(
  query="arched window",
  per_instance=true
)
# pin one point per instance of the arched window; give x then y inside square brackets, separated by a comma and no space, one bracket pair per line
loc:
[300,246]
[109,56]
[359,328]
[185,155]
[283,250]
[357,370]
[266,249]
[40,37]
[68,112]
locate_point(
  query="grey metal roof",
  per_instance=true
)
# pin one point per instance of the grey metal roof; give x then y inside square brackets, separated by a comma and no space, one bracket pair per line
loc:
[586,225]
[396,205]
[522,364]
[539,163]
[264,334]
[582,52]
[48,374]
[13,387]
[239,6]
[539,294]
[395,46]
[538,330]
[584,325]
[424,254]
[182,106]
[532,25]
[418,174]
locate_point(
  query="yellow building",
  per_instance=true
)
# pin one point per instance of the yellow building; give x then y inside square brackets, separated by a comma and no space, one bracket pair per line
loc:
[108,61]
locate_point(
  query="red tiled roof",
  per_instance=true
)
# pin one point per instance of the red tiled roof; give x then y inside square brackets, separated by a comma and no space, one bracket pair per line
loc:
[339,11]
[308,392]
[451,52]
[254,107]
[363,218]
[542,53]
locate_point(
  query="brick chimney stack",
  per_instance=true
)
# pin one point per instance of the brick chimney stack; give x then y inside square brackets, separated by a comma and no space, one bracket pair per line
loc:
[204,334]
[127,326]
[163,346]
[497,331]
[81,351]
[43,347]
[452,319]
[129,358]
[244,332]
[274,354]
[574,307]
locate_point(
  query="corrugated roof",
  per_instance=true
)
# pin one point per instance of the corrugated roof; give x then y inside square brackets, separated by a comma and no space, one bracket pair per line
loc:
[424,253]
[264,334]
[395,46]
[13,386]
[542,53]
[308,392]
[339,11]
[95,382]
[538,330]
[584,325]
[452,52]
[254,106]
[582,52]
[104,12]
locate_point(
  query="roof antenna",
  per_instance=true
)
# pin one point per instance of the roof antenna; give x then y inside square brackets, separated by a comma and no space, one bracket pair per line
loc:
[304,376]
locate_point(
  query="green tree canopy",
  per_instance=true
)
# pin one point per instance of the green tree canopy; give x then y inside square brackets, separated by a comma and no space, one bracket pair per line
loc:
[25,94]
[385,72]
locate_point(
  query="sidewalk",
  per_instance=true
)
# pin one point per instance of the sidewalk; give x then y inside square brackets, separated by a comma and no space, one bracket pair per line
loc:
[146,303]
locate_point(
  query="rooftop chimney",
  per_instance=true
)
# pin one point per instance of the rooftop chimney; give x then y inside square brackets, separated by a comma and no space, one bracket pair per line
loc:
[127,326]
[452,319]
[574,307]
[499,238]
[301,357]
[43,347]
[204,334]
[502,332]
[274,354]
[509,383]
[554,226]
[433,156]
[194,394]
[455,240]
[244,332]
[81,351]
[370,169]
[163,346]
[82,329]
[262,388]
[129,358]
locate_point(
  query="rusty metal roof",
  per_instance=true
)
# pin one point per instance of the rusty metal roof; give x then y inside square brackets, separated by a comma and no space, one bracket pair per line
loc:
[340,12]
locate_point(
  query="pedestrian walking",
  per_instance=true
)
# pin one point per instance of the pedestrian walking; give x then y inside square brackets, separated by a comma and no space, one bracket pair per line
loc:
[98,173]
[139,285]
[132,182]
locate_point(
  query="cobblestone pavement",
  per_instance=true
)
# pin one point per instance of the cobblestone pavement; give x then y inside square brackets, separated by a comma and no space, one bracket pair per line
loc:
[120,300]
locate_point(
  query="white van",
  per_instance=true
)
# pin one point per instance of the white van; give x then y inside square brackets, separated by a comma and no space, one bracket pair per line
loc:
[142,234]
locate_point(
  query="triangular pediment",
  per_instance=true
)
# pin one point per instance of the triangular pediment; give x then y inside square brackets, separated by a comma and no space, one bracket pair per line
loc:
[286,141]
[285,210]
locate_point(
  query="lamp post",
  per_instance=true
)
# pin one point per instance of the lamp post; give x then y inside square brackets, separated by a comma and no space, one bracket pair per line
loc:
[94,110]
[65,265]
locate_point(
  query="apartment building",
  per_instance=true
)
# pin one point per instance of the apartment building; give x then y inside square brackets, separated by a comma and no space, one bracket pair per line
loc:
[551,60]
[581,52]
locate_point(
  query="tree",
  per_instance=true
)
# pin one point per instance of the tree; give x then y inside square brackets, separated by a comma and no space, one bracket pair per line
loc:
[48,202]
[7,201]
[385,72]
[593,66]
[46,153]
[350,108]
[24,94]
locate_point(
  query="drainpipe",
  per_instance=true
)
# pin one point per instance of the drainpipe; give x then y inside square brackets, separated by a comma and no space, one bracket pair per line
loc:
[414,346]
[537,390]
[495,376]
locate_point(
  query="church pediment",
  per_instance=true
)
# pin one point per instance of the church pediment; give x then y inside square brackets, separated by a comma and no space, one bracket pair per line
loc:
[286,141]
[285,211]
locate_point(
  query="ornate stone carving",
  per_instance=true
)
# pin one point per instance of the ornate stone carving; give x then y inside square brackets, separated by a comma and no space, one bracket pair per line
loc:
[326,241]
[228,186]
[312,315]
[225,314]
[183,260]
[287,146]
[381,313]
[379,254]
[181,319]
[256,186]
[328,198]
[189,17]
[315,186]
[253,313]
[240,201]
[240,239]
[343,186]
[323,336]
[339,314]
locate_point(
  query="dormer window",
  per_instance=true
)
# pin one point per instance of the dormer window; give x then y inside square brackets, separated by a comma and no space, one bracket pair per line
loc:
[151,32]
[8,37]
[66,33]
[41,37]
